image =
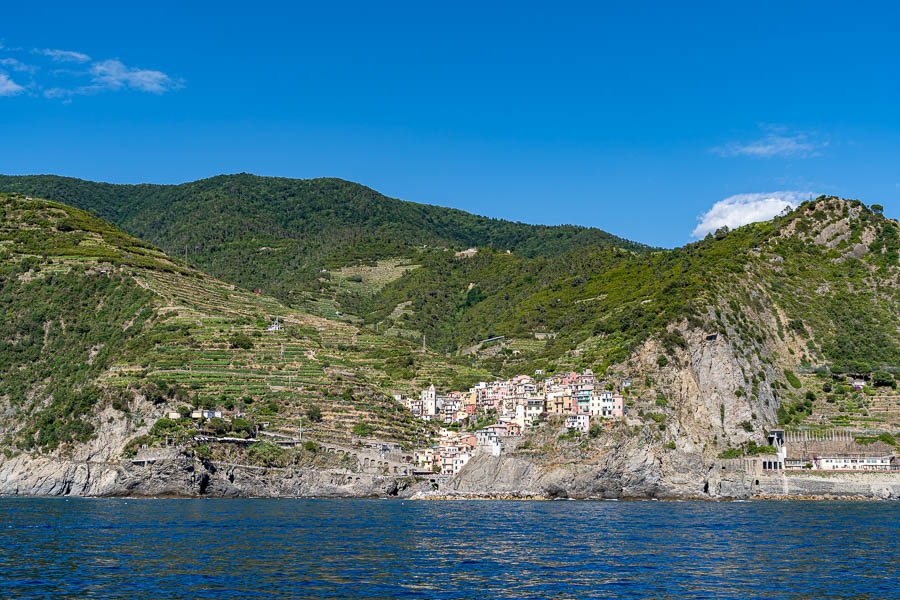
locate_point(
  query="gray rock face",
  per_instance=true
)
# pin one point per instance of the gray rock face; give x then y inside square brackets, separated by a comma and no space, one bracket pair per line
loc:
[631,471]
[625,473]
[186,477]
[643,474]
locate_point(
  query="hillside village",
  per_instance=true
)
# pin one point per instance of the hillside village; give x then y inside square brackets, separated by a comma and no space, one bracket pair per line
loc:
[489,415]
[504,408]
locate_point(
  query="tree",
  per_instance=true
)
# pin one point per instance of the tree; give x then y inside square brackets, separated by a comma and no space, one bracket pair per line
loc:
[883,379]
[242,425]
[877,209]
[218,425]
[241,340]
[314,413]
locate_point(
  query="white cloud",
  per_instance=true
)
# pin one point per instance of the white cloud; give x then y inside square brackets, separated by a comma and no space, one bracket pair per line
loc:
[112,74]
[56,92]
[8,87]
[741,209]
[17,65]
[64,55]
[80,76]
[778,141]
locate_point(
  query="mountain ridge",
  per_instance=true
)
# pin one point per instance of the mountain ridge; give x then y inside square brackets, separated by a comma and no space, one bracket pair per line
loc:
[277,233]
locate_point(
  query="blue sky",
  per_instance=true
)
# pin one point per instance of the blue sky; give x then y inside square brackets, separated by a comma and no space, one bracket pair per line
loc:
[638,119]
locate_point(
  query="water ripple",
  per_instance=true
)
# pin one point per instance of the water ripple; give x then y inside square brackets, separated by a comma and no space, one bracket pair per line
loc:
[90,548]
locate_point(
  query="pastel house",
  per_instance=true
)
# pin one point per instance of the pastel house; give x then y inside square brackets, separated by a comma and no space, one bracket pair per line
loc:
[580,423]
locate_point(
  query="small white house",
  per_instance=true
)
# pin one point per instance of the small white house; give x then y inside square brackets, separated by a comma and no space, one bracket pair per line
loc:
[859,463]
[206,414]
[580,423]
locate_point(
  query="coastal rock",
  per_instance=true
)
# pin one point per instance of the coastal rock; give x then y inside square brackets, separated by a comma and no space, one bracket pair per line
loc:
[631,471]
[183,476]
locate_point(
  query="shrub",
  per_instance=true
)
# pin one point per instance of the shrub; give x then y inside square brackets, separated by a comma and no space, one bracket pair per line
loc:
[218,425]
[792,379]
[888,439]
[240,424]
[265,453]
[241,340]
[362,429]
[314,414]
[164,427]
[783,416]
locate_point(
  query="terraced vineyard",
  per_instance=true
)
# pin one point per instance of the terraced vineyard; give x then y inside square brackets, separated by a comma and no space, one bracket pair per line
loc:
[280,375]
[822,402]
[863,413]
[526,346]
[368,280]
[191,341]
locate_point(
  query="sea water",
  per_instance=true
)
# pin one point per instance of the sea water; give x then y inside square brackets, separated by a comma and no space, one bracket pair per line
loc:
[143,548]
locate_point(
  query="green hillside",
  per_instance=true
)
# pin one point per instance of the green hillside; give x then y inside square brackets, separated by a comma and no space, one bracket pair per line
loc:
[93,320]
[276,233]
[824,276]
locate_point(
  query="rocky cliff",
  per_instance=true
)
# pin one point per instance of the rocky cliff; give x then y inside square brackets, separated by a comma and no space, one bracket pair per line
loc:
[184,476]
[646,476]
[626,473]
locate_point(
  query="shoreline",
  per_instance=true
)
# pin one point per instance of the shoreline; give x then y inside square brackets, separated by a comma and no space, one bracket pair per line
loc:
[486,478]
[438,497]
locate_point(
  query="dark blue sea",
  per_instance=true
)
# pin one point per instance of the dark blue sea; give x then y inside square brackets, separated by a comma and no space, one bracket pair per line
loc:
[126,548]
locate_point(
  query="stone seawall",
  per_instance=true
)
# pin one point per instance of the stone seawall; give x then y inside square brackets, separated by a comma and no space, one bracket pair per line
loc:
[812,485]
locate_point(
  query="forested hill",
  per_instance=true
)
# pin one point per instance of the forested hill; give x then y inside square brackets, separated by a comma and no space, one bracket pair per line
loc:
[102,336]
[277,233]
[819,283]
